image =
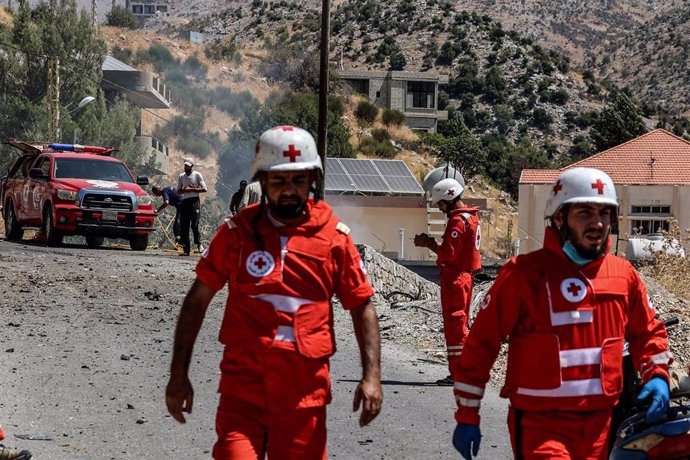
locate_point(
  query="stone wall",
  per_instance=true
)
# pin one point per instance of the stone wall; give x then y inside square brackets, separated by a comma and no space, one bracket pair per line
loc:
[391,280]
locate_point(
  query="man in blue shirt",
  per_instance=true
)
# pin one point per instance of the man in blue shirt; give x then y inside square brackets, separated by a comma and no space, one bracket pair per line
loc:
[170,198]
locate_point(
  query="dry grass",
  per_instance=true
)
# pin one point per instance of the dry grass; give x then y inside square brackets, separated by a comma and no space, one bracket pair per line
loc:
[5,17]
[671,271]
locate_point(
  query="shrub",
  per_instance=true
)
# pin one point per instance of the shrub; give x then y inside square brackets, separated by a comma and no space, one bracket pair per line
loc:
[119,16]
[371,146]
[366,112]
[380,135]
[392,117]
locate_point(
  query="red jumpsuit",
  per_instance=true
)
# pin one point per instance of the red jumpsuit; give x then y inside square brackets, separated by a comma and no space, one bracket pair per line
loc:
[278,329]
[566,325]
[458,257]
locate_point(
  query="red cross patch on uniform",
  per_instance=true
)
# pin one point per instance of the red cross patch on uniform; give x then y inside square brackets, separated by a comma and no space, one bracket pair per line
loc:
[573,289]
[260,263]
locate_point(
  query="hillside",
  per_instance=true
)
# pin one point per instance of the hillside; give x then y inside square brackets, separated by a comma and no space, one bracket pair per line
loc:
[500,80]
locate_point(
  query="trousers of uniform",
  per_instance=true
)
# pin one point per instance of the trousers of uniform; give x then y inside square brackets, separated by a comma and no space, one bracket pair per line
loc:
[456,296]
[189,216]
[559,435]
[249,432]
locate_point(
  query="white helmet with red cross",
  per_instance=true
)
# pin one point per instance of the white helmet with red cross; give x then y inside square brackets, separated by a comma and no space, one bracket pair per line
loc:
[285,148]
[580,185]
[446,189]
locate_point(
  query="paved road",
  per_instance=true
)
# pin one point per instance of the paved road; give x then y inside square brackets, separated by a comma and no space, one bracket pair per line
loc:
[85,350]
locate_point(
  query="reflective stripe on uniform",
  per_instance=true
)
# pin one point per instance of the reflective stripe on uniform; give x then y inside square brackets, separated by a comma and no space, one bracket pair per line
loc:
[661,358]
[467,402]
[580,357]
[285,334]
[466,388]
[584,387]
[229,222]
[284,303]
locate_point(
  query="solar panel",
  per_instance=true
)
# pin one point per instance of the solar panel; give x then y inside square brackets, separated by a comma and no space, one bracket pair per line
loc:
[373,176]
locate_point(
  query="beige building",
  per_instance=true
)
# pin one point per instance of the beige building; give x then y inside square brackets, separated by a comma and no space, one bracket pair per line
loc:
[415,94]
[652,178]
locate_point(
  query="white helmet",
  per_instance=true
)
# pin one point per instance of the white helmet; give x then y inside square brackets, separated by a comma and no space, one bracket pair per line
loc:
[580,185]
[285,148]
[446,189]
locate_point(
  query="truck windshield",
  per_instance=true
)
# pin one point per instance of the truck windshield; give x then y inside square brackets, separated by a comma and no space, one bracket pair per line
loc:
[77,168]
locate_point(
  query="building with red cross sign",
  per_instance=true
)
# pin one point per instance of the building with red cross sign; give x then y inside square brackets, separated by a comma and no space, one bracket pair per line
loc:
[652,182]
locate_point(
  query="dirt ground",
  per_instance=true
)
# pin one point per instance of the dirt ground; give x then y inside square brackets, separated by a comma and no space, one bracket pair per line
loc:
[85,351]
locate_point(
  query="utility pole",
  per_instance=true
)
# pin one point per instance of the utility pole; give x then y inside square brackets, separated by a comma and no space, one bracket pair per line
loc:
[322,141]
[93,13]
[54,98]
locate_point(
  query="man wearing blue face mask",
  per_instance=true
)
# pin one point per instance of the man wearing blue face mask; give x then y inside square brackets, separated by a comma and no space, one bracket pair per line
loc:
[566,310]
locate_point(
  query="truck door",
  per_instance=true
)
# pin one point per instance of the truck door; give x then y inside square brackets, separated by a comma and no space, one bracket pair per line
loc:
[37,190]
[17,180]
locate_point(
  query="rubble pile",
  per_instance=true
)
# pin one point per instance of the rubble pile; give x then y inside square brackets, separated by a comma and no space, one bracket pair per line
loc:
[409,309]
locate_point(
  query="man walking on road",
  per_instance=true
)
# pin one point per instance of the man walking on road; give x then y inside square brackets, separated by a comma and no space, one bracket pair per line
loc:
[170,198]
[190,184]
[283,259]
[237,198]
[458,257]
[567,309]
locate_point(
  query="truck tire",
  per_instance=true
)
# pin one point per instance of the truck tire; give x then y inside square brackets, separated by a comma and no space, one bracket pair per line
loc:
[13,230]
[94,241]
[139,242]
[52,236]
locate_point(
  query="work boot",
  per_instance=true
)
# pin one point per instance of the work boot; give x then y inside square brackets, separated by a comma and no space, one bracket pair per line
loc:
[14,454]
[200,248]
[445,382]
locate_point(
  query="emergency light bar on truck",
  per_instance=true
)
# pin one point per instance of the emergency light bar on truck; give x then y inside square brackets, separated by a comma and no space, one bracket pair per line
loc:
[38,148]
[76,148]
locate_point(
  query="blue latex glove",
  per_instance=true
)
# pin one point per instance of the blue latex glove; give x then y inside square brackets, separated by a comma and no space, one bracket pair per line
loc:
[466,438]
[657,389]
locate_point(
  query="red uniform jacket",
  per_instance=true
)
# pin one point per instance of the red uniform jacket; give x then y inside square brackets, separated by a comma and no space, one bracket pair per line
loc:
[279,295]
[459,251]
[566,325]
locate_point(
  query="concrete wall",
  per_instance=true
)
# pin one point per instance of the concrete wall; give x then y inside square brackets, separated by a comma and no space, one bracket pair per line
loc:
[382,87]
[398,92]
[532,200]
[376,221]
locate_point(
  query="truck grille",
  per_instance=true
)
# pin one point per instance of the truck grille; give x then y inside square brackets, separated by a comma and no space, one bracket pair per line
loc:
[110,201]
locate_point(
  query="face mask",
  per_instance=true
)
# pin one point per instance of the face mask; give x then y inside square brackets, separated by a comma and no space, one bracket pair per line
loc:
[574,255]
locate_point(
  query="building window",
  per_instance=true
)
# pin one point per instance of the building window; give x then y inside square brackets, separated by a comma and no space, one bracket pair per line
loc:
[653,210]
[644,227]
[649,218]
[162,8]
[149,9]
[138,9]
[378,94]
[421,94]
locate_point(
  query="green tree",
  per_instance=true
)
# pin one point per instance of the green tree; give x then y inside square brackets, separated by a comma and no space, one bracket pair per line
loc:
[463,149]
[67,33]
[397,60]
[618,122]
[119,16]
[495,87]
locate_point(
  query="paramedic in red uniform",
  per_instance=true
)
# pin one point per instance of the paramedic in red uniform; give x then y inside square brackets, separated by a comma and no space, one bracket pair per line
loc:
[283,259]
[458,257]
[566,310]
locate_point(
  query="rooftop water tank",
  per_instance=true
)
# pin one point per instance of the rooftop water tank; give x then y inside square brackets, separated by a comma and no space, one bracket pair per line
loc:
[444,172]
[644,247]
